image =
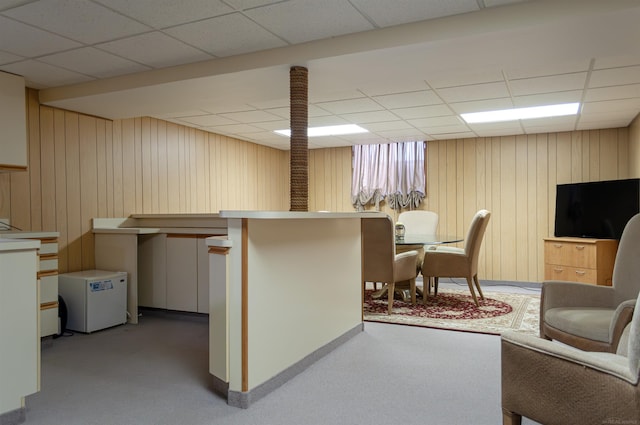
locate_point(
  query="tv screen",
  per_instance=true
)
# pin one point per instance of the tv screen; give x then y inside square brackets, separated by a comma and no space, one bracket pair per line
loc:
[596,209]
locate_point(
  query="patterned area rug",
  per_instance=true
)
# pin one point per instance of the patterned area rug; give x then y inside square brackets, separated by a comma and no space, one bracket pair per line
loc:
[454,310]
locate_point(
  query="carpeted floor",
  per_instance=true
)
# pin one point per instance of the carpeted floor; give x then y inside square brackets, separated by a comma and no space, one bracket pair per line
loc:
[454,309]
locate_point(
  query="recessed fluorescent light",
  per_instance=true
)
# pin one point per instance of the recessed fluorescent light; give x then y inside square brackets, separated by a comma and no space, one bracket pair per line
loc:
[522,113]
[331,130]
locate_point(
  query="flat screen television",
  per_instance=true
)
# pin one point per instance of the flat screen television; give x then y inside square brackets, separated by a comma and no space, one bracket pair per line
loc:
[596,209]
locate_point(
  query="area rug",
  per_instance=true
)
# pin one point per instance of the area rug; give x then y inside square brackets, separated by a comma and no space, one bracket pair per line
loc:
[455,310]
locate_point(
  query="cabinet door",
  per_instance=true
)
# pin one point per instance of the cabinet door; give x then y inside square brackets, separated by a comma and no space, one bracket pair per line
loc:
[13,122]
[182,272]
[152,277]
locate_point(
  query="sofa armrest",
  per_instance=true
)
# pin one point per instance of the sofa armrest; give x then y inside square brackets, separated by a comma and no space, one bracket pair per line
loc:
[609,363]
[571,294]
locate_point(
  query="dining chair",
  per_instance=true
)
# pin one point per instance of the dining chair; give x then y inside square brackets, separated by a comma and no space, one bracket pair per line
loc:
[380,263]
[592,317]
[420,222]
[457,262]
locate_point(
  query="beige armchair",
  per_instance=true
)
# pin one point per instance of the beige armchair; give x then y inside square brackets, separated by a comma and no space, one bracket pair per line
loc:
[457,262]
[589,317]
[552,383]
[380,261]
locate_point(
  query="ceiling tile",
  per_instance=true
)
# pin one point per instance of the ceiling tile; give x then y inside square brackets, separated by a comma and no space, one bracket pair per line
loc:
[251,116]
[547,69]
[34,71]
[615,76]
[464,77]
[474,92]
[405,100]
[482,105]
[271,103]
[422,112]
[435,121]
[6,57]
[166,13]
[249,4]
[28,41]
[393,86]
[180,114]
[8,4]
[611,93]
[492,3]
[238,128]
[350,106]
[93,62]
[616,62]
[548,84]
[433,130]
[299,21]
[611,105]
[368,117]
[155,49]
[386,126]
[92,23]
[327,120]
[404,11]
[226,35]
[547,98]
[207,120]
[273,125]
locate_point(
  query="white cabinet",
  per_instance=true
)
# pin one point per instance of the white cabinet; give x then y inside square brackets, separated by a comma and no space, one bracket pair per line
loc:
[182,272]
[13,122]
[173,272]
[20,347]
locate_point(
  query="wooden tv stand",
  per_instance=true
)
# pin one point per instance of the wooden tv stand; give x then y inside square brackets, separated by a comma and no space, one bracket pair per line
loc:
[582,260]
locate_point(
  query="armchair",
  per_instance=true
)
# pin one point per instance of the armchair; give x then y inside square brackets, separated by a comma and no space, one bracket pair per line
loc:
[380,261]
[592,318]
[552,383]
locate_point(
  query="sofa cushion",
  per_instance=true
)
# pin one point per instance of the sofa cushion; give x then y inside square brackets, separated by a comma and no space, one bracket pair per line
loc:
[586,322]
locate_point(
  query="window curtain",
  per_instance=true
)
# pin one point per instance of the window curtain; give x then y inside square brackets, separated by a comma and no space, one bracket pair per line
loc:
[394,172]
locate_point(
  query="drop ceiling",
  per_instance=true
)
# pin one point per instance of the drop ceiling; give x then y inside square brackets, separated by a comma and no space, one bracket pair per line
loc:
[402,69]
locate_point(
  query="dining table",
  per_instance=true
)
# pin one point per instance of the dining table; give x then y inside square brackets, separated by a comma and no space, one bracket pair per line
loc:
[418,242]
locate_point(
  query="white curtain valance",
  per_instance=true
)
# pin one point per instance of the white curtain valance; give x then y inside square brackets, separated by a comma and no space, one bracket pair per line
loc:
[394,172]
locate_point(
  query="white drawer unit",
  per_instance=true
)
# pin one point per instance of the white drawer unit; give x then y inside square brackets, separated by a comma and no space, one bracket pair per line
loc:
[47,277]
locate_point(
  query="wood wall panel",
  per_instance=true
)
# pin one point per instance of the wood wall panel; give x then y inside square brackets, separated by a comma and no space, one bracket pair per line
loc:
[81,167]
[90,167]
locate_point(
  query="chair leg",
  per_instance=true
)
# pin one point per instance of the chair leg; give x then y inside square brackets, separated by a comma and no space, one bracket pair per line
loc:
[477,282]
[390,292]
[375,286]
[511,418]
[473,293]
[412,289]
[435,286]
[426,288]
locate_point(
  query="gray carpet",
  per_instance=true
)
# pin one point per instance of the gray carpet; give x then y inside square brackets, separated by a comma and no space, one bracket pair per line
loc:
[156,373]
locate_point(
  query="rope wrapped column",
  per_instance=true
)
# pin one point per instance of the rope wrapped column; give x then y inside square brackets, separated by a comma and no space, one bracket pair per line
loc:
[299,161]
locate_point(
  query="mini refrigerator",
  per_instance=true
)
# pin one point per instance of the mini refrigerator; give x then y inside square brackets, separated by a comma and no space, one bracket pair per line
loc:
[95,299]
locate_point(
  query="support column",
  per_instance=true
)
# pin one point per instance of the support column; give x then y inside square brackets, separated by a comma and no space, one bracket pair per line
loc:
[299,162]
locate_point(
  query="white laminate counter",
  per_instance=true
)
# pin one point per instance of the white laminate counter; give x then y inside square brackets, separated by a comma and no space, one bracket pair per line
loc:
[18,234]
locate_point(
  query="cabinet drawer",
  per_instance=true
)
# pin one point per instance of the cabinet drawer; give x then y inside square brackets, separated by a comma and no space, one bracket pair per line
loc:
[574,254]
[48,248]
[570,274]
[48,289]
[48,320]
[48,263]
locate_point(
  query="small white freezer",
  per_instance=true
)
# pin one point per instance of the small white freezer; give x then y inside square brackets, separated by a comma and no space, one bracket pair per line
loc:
[95,299]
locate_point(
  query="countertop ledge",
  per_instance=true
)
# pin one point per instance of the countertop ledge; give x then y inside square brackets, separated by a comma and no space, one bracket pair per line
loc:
[298,214]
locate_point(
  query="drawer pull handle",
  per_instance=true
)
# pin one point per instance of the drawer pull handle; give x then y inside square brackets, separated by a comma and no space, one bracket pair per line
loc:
[557,245]
[580,272]
[558,269]
[580,247]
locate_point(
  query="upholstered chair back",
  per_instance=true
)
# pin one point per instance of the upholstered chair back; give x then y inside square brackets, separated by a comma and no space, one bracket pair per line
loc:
[420,222]
[626,269]
[378,249]
[474,236]
[633,349]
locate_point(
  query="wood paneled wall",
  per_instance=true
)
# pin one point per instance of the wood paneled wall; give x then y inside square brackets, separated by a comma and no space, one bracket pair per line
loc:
[514,177]
[81,167]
